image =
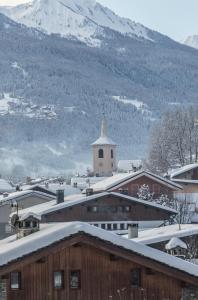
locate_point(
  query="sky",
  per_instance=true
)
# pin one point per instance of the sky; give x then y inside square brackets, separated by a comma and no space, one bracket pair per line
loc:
[175,18]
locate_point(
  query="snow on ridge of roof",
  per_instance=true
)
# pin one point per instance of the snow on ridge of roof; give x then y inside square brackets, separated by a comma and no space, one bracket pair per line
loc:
[121,178]
[174,243]
[19,194]
[29,214]
[183,169]
[52,233]
[165,233]
[104,140]
[185,181]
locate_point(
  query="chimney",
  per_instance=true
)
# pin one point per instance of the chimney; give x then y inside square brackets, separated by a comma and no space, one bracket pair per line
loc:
[89,192]
[132,231]
[60,196]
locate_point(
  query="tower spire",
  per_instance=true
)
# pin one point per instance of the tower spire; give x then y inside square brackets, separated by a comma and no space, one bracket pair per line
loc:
[104,127]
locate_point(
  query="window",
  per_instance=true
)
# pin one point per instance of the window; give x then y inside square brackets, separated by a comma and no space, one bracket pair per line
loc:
[108,226]
[136,277]
[15,280]
[100,153]
[92,208]
[127,208]
[27,224]
[103,226]
[114,226]
[58,279]
[75,279]
[122,226]
[111,153]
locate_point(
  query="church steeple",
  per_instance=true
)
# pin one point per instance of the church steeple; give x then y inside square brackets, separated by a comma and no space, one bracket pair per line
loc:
[104,153]
[104,127]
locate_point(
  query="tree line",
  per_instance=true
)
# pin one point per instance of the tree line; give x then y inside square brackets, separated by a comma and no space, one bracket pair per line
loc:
[174,140]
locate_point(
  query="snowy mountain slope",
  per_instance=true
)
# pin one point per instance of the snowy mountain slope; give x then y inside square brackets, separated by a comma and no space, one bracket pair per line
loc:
[81,19]
[53,92]
[191,41]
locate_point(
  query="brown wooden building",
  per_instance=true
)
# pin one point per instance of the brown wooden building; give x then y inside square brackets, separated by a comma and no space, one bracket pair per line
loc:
[189,172]
[109,210]
[130,184]
[78,261]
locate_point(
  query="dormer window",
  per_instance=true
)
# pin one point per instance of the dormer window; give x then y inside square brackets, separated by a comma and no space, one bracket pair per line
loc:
[100,153]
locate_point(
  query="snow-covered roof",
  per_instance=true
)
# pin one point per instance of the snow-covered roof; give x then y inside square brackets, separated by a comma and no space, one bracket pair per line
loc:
[174,243]
[183,169]
[12,249]
[165,233]
[119,179]
[127,165]
[20,195]
[5,186]
[51,206]
[84,182]
[29,214]
[104,140]
[180,181]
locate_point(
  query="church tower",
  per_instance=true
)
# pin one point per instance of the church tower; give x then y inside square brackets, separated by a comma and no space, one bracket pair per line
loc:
[104,153]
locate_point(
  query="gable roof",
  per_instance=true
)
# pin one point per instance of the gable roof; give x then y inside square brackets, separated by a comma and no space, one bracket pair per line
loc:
[12,249]
[174,243]
[52,206]
[183,169]
[121,179]
[165,233]
[18,196]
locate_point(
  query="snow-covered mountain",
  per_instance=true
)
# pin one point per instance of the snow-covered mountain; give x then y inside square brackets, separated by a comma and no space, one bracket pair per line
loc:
[81,19]
[192,41]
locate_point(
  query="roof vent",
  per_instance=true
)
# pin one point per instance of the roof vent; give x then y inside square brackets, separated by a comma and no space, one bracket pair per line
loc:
[60,196]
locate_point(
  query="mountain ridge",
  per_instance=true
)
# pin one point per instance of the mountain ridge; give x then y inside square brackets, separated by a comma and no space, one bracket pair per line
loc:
[71,18]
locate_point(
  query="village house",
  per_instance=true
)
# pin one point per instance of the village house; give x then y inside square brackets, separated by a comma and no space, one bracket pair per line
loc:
[16,201]
[108,210]
[170,237]
[79,261]
[130,183]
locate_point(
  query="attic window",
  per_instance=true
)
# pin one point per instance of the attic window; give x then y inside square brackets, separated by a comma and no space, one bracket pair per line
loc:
[15,280]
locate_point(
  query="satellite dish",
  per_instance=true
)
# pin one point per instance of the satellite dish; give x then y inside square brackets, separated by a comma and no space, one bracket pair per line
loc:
[14,220]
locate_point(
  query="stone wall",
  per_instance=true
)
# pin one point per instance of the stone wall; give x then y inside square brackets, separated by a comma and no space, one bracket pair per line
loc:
[3,292]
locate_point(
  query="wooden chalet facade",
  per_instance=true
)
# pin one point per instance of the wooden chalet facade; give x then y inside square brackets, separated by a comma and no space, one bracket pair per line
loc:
[78,262]
[130,184]
[110,211]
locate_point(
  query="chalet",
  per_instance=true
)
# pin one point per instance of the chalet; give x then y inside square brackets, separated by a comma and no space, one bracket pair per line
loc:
[189,172]
[108,210]
[158,238]
[130,184]
[16,201]
[187,177]
[79,261]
